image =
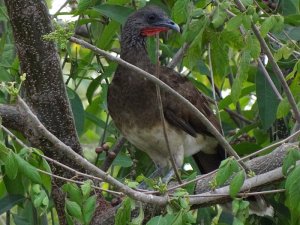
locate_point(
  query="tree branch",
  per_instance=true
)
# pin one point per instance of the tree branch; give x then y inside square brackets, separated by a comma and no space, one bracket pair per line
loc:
[59,146]
[11,117]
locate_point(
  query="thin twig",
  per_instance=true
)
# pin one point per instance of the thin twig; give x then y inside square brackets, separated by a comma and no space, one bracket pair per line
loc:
[178,56]
[245,194]
[213,87]
[161,113]
[58,11]
[79,182]
[239,116]
[101,142]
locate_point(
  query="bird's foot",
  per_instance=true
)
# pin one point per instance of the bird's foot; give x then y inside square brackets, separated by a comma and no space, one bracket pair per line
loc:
[154,181]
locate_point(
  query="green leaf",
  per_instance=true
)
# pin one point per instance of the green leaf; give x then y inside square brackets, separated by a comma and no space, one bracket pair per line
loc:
[219,17]
[236,183]
[233,39]
[77,110]
[39,200]
[96,82]
[11,166]
[107,36]
[69,219]
[16,186]
[219,58]
[46,179]
[180,11]
[283,108]
[266,99]
[86,188]
[73,209]
[292,186]
[284,52]
[23,219]
[124,212]
[267,25]
[247,2]
[234,23]
[158,220]
[289,7]
[74,193]
[226,169]
[28,170]
[240,210]
[289,161]
[88,209]
[242,75]
[115,12]
[9,201]
[122,160]
[253,46]
[177,220]
[83,5]
[293,20]
[4,152]
[139,219]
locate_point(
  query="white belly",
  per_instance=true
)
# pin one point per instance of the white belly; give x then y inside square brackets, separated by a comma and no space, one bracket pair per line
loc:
[181,144]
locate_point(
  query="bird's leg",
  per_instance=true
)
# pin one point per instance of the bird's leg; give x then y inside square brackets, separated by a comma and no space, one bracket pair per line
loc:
[163,172]
[167,178]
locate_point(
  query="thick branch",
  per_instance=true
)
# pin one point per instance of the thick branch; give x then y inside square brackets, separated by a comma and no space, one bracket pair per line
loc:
[260,165]
[11,117]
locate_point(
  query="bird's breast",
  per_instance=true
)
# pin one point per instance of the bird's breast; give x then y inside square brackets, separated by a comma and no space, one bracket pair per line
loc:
[153,142]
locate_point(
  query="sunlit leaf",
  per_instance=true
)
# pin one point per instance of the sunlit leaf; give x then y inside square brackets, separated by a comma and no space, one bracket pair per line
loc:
[236,183]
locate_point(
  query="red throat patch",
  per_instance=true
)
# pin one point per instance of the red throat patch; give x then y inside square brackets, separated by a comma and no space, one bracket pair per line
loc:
[150,31]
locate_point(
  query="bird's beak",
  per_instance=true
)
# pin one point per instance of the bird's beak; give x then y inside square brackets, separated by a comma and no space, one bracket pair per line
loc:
[167,23]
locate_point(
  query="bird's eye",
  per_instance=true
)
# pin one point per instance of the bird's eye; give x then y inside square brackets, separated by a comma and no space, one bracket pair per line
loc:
[151,17]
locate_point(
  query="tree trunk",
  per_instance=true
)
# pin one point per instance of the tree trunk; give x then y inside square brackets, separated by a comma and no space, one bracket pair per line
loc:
[44,89]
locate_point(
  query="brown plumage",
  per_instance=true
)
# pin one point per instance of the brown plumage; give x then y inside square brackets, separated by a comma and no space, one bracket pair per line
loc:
[133,105]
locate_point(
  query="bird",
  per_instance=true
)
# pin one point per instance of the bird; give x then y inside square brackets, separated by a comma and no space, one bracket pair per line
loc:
[133,106]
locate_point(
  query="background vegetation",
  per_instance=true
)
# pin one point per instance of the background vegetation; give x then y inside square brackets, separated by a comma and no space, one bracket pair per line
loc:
[255,85]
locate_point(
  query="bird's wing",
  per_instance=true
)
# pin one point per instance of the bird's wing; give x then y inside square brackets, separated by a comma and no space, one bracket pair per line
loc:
[178,115]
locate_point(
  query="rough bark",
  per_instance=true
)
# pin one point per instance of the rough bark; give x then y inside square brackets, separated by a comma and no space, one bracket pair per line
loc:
[258,165]
[44,88]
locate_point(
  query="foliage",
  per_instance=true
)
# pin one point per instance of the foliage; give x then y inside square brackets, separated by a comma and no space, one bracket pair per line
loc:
[222,47]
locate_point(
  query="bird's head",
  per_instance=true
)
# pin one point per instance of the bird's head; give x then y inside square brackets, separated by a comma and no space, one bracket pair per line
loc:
[147,21]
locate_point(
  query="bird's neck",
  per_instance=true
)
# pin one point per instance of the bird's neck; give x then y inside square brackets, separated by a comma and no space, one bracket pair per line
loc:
[133,48]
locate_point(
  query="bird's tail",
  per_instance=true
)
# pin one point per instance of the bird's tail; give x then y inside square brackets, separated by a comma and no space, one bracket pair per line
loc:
[209,162]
